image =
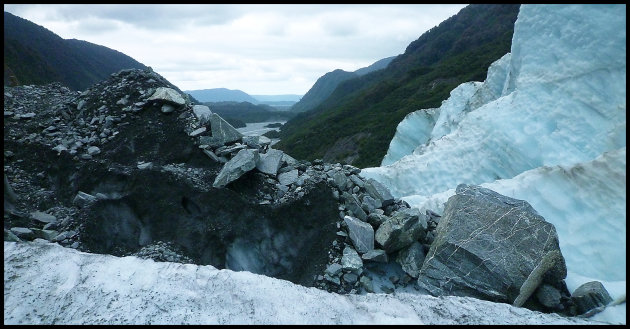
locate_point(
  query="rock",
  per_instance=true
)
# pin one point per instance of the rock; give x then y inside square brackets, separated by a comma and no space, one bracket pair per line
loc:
[10,236]
[166,94]
[202,113]
[252,141]
[197,132]
[549,261]
[23,233]
[29,115]
[379,192]
[145,165]
[357,181]
[243,161]
[289,160]
[590,296]
[411,259]
[353,205]
[82,199]
[376,219]
[214,156]
[44,234]
[270,162]
[340,180]
[366,283]
[375,255]
[369,204]
[350,261]
[333,279]
[288,178]
[222,132]
[350,277]
[43,217]
[63,235]
[401,230]
[361,234]
[333,269]
[59,148]
[487,246]
[548,296]
[93,150]
[167,108]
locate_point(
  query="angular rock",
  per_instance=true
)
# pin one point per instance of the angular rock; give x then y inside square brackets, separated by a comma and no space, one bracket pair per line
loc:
[350,277]
[144,165]
[10,236]
[548,296]
[366,283]
[93,150]
[379,192]
[289,160]
[350,261]
[357,181]
[44,234]
[270,162]
[243,161]
[82,199]
[59,148]
[222,132]
[197,132]
[590,296]
[375,255]
[288,178]
[333,269]
[411,259]
[361,234]
[487,246]
[23,233]
[43,217]
[352,204]
[252,141]
[369,204]
[401,229]
[340,180]
[214,156]
[376,219]
[202,113]
[166,94]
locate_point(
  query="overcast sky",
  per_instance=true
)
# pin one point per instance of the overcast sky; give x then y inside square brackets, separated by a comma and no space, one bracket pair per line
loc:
[260,49]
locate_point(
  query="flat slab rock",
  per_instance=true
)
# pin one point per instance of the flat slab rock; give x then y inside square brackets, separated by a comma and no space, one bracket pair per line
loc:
[487,246]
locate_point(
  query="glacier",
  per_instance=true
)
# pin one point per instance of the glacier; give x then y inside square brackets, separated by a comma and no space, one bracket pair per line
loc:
[56,285]
[547,126]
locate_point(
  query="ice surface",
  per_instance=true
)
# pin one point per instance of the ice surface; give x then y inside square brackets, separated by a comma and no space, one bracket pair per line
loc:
[555,136]
[45,283]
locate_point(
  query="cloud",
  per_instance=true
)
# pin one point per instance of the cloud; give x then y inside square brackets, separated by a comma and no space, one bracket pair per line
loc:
[262,49]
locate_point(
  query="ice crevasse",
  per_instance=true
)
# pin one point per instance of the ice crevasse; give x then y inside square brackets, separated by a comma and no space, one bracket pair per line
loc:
[548,126]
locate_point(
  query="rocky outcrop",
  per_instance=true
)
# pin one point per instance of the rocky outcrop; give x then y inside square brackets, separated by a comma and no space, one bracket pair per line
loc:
[486,247]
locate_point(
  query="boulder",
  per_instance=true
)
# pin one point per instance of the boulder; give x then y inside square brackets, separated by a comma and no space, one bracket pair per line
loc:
[82,199]
[548,296]
[376,219]
[242,162]
[202,113]
[486,247]
[590,296]
[288,178]
[170,95]
[222,132]
[366,283]
[270,162]
[340,180]
[93,150]
[401,229]
[411,259]
[375,255]
[352,204]
[350,261]
[197,132]
[333,269]
[43,217]
[23,233]
[379,192]
[361,234]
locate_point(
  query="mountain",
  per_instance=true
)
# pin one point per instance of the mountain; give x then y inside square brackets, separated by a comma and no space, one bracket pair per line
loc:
[548,125]
[356,122]
[248,112]
[35,55]
[322,88]
[221,95]
[327,83]
[378,65]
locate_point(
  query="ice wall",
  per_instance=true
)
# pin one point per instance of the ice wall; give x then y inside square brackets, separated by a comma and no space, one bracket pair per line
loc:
[561,106]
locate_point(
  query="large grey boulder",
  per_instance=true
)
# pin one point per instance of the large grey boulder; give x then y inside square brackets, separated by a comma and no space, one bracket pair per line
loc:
[353,205]
[202,113]
[222,132]
[288,178]
[270,162]
[590,296]
[244,161]
[170,95]
[379,192]
[401,229]
[361,234]
[486,247]
[411,259]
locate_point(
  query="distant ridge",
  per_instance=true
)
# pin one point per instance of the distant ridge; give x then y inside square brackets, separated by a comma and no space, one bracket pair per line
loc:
[35,55]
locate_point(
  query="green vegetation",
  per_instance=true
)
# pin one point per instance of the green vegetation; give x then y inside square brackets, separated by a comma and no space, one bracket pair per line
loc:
[370,107]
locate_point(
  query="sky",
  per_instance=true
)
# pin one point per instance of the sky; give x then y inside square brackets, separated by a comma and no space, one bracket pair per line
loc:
[267,49]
